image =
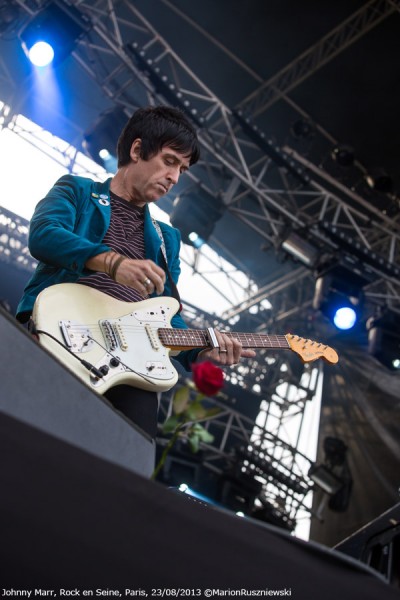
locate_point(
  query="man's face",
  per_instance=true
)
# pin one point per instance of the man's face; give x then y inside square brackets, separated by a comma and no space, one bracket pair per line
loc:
[150,179]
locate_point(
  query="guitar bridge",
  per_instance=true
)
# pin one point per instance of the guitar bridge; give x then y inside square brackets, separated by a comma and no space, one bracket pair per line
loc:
[76,336]
[109,335]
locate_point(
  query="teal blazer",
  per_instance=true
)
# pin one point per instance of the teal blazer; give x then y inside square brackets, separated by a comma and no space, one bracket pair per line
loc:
[68,228]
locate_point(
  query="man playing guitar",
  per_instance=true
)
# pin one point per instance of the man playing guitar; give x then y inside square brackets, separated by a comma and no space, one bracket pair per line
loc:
[102,235]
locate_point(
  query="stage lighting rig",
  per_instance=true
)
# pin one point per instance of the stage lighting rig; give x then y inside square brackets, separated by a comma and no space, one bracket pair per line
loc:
[384,339]
[339,295]
[357,249]
[378,179]
[196,217]
[303,129]
[334,476]
[343,155]
[300,249]
[50,36]
[100,140]
[163,84]
[277,155]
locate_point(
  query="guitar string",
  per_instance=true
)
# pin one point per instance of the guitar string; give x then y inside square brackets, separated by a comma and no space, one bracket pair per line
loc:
[167,331]
[200,336]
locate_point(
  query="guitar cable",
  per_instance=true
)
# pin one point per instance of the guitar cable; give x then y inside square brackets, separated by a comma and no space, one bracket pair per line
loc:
[89,366]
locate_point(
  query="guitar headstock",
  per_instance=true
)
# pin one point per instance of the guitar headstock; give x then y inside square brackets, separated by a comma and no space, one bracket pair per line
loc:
[310,351]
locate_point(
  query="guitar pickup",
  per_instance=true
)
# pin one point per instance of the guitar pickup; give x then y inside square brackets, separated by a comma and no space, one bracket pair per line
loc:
[123,344]
[153,337]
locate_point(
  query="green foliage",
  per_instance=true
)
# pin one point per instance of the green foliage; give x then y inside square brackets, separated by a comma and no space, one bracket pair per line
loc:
[181,399]
[170,424]
[186,422]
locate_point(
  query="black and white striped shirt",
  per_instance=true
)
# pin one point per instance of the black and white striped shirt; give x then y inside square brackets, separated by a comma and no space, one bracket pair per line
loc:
[125,235]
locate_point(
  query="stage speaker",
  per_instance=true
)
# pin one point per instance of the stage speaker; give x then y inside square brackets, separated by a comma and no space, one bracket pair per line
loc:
[378,545]
[40,391]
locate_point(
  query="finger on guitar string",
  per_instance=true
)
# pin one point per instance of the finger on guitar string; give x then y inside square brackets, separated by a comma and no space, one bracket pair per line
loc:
[228,353]
[231,346]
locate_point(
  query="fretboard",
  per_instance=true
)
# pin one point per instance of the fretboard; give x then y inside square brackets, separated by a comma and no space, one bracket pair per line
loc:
[178,339]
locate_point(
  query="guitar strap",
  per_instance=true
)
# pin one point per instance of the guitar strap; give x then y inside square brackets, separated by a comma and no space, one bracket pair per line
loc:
[174,289]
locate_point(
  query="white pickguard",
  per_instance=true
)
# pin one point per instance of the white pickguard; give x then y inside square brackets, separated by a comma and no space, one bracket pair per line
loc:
[120,336]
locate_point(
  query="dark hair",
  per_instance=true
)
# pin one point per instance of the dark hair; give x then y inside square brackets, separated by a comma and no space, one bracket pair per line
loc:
[158,126]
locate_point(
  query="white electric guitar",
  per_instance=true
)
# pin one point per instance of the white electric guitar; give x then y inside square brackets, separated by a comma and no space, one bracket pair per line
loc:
[107,342]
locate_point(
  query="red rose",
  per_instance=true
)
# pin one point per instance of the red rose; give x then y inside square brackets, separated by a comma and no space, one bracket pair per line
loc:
[208,378]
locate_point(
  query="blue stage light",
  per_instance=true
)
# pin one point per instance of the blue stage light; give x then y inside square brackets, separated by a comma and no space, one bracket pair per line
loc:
[197,218]
[57,26]
[100,140]
[196,240]
[339,296]
[345,318]
[41,54]
[110,161]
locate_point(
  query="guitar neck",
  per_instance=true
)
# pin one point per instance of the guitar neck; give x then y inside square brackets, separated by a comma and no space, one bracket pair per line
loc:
[184,339]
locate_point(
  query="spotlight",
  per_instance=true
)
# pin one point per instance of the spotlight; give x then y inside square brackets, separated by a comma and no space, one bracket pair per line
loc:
[378,179]
[334,475]
[343,155]
[52,33]
[196,240]
[300,249]
[41,54]
[100,140]
[338,295]
[342,310]
[303,129]
[325,479]
[345,317]
[110,161]
[384,339]
[196,217]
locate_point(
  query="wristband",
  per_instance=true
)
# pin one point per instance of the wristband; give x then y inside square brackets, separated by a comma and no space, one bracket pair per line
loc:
[115,266]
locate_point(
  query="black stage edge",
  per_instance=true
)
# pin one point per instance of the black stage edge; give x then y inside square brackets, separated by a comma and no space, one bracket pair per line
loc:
[70,520]
[76,511]
[40,391]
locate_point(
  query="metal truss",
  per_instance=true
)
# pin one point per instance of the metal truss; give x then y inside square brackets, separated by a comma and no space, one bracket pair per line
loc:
[337,40]
[287,307]
[266,448]
[203,262]
[52,146]
[264,186]
[256,376]
[13,241]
